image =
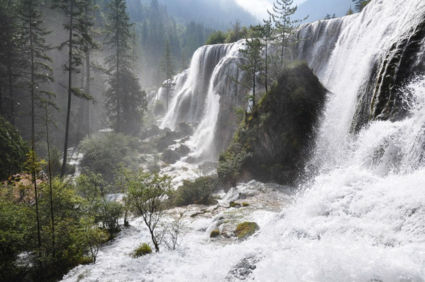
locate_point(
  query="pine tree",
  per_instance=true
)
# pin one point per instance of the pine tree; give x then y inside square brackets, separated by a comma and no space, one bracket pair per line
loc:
[360,4]
[79,39]
[281,14]
[167,68]
[252,59]
[39,72]
[267,34]
[124,98]
[10,58]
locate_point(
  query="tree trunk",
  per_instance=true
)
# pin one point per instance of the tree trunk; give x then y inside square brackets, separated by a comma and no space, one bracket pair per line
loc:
[52,217]
[266,68]
[118,90]
[33,169]
[68,111]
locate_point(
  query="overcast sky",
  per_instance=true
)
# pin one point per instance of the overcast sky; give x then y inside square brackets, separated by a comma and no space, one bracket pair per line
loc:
[259,8]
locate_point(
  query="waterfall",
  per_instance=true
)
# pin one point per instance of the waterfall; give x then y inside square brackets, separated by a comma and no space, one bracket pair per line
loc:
[190,93]
[361,215]
[213,74]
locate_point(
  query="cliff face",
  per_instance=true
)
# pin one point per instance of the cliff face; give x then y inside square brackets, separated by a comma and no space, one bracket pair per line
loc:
[273,141]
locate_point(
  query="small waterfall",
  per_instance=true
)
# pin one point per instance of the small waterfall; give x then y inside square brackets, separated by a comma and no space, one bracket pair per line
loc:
[191,88]
[212,75]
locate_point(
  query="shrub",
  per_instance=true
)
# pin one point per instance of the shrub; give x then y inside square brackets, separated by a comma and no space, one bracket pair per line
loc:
[197,192]
[105,153]
[145,196]
[143,249]
[13,150]
[217,37]
[246,229]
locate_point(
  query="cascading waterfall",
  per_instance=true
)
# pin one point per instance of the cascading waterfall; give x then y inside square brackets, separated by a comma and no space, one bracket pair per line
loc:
[196,100]
[361,217]
[187,104]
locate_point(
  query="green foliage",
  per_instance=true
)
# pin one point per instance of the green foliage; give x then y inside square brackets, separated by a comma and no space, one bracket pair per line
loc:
[78,236]
[217,37]
[252,59]
[13,150]
[246,229]
[143,249]
[197,192]
[281,15]
[232,35]
[15,235]
[145,196]
[125,100]
[105,153]
[93,188]
[360,4]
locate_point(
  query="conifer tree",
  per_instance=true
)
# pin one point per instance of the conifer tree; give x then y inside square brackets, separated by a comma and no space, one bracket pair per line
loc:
[360,4]
[252,59]
[34,49]
[79,39]
[10,58]
[281,14]
[267,34]
[124,98]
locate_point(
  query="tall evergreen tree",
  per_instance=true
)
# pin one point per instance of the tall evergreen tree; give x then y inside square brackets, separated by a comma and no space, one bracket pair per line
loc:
[252,59]
[267,34]
[124,97]
[39,72]
[281,14]
[79,39]
[10,58]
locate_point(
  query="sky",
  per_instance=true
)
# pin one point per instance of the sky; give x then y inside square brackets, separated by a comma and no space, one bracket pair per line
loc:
[259,8]
[315,9]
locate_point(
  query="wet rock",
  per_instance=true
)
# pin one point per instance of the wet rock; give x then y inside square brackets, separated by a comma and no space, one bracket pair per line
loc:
[184,128]
[271,144]
[246,229]
[243,269]
[215,233]
[167,140]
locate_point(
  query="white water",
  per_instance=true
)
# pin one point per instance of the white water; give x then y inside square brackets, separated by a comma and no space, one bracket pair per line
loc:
[197,91]
[362,218]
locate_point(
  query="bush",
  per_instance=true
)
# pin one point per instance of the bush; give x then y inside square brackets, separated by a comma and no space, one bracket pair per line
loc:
[246,229]
[143,249]
[13,150]
[197,192]
[145,197]
[217,37]
[105,153]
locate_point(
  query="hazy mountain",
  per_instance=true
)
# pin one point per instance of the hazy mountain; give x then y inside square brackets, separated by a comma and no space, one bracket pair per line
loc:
[318,9]
[219,14]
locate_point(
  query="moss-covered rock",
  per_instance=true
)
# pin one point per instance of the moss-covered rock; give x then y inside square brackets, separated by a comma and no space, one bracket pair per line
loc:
[246,229]
[143,249]
[234,205]
[272,142]
[215,233]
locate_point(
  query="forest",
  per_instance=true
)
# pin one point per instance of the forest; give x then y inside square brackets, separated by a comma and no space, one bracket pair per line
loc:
[145,141]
